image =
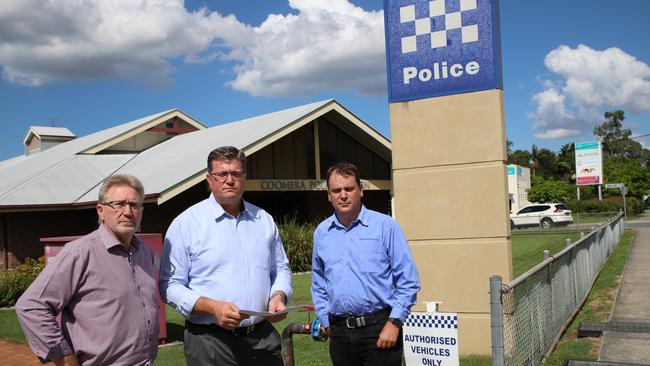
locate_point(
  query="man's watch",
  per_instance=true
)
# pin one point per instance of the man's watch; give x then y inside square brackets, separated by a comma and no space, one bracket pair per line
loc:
[396,321]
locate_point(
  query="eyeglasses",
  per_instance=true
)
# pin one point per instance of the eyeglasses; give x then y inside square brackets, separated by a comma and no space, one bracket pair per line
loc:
[121,205]
[223,176]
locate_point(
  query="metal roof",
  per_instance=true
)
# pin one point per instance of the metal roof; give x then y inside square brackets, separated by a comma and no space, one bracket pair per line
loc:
[68,174]
[48,131]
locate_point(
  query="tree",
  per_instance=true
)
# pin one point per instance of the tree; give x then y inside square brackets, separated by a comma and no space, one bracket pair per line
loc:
[519,157]
[626,170]
[566,163]
[616,140]
[548,190]
[547,163]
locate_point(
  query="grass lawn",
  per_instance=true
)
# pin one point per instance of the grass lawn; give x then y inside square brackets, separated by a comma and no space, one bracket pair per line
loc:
[527,251]
[528,248]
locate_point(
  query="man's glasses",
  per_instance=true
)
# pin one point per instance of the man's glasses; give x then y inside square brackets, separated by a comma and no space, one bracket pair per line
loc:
[223,176]
[121,205]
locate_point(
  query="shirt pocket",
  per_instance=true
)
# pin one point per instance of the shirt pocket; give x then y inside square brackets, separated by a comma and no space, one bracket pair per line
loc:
[260,255]
[371,256]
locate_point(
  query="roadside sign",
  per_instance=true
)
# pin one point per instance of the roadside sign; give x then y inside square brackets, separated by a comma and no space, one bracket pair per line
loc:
[613,185]
[589,163]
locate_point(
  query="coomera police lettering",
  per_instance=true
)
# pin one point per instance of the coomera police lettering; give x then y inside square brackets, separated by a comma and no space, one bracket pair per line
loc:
[440,70]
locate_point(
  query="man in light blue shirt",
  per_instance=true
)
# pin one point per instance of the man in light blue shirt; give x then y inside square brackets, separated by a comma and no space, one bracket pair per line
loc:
[223,255]
[364,280]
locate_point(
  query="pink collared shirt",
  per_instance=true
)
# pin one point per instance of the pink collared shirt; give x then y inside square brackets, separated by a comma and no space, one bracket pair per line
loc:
[108,300]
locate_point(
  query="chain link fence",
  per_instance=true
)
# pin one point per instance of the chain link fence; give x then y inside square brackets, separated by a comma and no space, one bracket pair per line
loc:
[530,313]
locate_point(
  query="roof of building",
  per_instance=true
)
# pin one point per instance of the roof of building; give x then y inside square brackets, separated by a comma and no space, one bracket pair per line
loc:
[72,172]
[42,131]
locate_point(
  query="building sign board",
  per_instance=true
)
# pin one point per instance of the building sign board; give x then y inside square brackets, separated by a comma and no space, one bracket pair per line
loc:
[441,47]
[256,185]
[589,163]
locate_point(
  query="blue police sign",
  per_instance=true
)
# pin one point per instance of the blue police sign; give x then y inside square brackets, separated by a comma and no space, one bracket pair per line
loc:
[441,47]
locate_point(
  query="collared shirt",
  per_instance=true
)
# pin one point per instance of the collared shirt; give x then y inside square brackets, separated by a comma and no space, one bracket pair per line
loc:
[210,253]
[108,300]
[362,269]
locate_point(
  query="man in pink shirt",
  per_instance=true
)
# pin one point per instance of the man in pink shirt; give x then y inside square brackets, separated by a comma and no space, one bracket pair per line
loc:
[104,287]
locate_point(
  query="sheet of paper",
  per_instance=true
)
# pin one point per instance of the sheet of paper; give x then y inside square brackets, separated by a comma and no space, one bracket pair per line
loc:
[266,313]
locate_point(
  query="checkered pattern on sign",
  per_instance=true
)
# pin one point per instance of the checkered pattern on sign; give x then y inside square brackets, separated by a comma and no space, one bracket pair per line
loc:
[432,321]
[437,15]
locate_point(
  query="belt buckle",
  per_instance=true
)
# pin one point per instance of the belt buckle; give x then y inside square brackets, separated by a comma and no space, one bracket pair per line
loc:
[357,322]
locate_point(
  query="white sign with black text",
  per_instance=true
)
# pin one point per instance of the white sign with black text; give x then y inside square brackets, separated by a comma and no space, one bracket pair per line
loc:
[431,338]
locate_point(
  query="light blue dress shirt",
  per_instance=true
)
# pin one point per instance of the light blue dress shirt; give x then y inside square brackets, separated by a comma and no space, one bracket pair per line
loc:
[208,252]
[362,269]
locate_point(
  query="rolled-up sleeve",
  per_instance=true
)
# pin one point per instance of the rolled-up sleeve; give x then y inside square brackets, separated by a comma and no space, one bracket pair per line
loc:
[39,305]
[281,272]
[174,271]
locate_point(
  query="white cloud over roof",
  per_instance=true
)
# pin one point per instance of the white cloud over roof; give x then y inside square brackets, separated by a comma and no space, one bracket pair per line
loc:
[326,45]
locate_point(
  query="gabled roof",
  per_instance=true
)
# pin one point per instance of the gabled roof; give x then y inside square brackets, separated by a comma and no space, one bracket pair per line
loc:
[168,168]
[19,172]
[42,131]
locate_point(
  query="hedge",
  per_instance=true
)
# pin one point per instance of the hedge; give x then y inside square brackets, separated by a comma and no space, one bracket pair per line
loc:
[608,204]
[14,282]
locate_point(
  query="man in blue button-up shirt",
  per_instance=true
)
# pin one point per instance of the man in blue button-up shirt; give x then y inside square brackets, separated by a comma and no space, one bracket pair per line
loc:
[364,280]
[223,255]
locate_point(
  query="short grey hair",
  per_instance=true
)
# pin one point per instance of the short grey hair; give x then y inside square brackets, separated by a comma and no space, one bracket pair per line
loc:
[120,180]
[226,153]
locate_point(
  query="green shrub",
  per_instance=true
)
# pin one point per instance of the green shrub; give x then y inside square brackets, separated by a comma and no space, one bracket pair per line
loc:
[15,281]
[608,204]
[298,242]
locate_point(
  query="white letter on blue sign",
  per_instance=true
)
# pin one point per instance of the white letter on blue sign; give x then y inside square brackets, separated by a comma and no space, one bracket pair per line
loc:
[409,73]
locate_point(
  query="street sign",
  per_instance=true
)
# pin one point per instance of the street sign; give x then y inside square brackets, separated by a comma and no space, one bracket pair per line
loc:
[614,185]
[441,47]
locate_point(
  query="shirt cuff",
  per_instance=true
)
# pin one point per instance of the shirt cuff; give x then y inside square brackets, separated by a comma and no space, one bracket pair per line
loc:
[399,313]
[286,289]
[59,351]
[186,305]
[325,321]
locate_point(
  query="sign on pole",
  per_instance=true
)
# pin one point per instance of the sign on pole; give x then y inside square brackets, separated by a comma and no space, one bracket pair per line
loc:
[441,47]
[431,338]
[613,185]
[589,163]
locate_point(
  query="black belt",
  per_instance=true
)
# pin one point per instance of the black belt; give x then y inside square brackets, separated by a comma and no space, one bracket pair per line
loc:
[358,321]
[238,331]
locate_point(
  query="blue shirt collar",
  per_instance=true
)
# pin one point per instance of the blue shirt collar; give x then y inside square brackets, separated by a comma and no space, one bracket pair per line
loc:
[362,219]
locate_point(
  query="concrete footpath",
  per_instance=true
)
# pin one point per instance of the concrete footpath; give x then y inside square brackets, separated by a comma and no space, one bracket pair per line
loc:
[629,341]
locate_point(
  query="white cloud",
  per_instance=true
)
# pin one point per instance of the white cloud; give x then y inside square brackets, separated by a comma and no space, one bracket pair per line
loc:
[589,82]
[325,45]
[59,40]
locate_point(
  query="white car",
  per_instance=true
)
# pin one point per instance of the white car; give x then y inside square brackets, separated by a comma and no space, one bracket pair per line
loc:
[545,215]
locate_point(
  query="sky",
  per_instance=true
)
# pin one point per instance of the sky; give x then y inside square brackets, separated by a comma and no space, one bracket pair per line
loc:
[91,65]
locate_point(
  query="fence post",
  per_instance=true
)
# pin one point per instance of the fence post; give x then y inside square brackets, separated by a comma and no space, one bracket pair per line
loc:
[496,319]
[546,254]
[568,242]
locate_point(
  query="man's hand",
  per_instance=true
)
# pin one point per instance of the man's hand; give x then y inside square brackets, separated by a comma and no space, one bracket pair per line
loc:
[277,303]
[68,360]
[388,336]
[226,313]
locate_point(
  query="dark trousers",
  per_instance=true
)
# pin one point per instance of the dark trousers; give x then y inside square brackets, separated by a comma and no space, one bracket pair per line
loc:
[212,345]
[358,346]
